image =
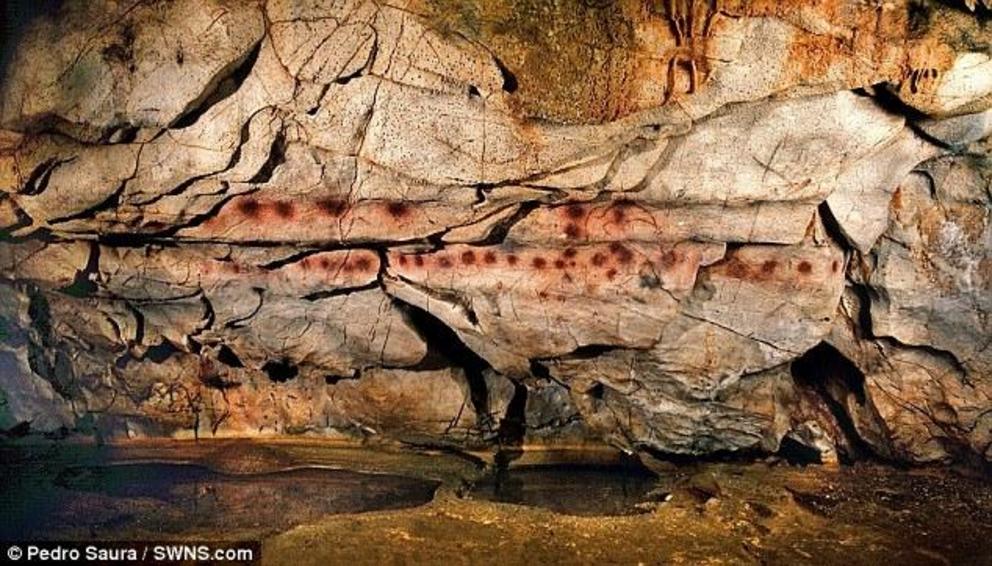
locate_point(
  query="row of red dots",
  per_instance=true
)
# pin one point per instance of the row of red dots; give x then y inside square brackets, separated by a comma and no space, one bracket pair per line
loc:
[253,208]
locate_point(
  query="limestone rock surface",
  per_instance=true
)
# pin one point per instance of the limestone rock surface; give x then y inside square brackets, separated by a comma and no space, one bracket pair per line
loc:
[682,228]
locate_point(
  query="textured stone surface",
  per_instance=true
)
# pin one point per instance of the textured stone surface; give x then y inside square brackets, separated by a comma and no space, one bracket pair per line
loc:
[683,228]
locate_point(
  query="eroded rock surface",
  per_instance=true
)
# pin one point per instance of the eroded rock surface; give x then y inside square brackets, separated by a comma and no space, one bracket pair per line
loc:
[685,228]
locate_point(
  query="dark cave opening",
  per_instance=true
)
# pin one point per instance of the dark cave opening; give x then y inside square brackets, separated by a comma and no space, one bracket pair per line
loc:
[280,371]
[832,377]
[797,453]
[824,363]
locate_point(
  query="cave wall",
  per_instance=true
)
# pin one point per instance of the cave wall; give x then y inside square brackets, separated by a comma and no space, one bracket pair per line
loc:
[684,228]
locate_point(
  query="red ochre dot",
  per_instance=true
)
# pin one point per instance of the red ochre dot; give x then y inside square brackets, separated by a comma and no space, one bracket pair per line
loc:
[285,209]
[598,259]
[332,206]
[572,231]
[560,264]
[489,257]
[402,260]
[769,266]
[443,261]
[249,207]
[737,269]
[325,263]
[805,267]
[623,254]
[511,259]
[619,210]
[539,262]
[575,211]
[398,209]
[468,257]
[419,260]
[836,266]
[611,274]
[569,252]
[363,263]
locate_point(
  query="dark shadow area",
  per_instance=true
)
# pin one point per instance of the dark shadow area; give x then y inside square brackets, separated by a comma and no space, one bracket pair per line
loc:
[446,349]
[280,371]
[797,453]
[15,17]
[226,356]
[225,84]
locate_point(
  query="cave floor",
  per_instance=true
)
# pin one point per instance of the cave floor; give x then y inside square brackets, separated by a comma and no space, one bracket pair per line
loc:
[315,502]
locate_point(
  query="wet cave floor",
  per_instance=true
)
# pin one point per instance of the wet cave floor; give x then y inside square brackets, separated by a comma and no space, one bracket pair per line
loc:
[315,502]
